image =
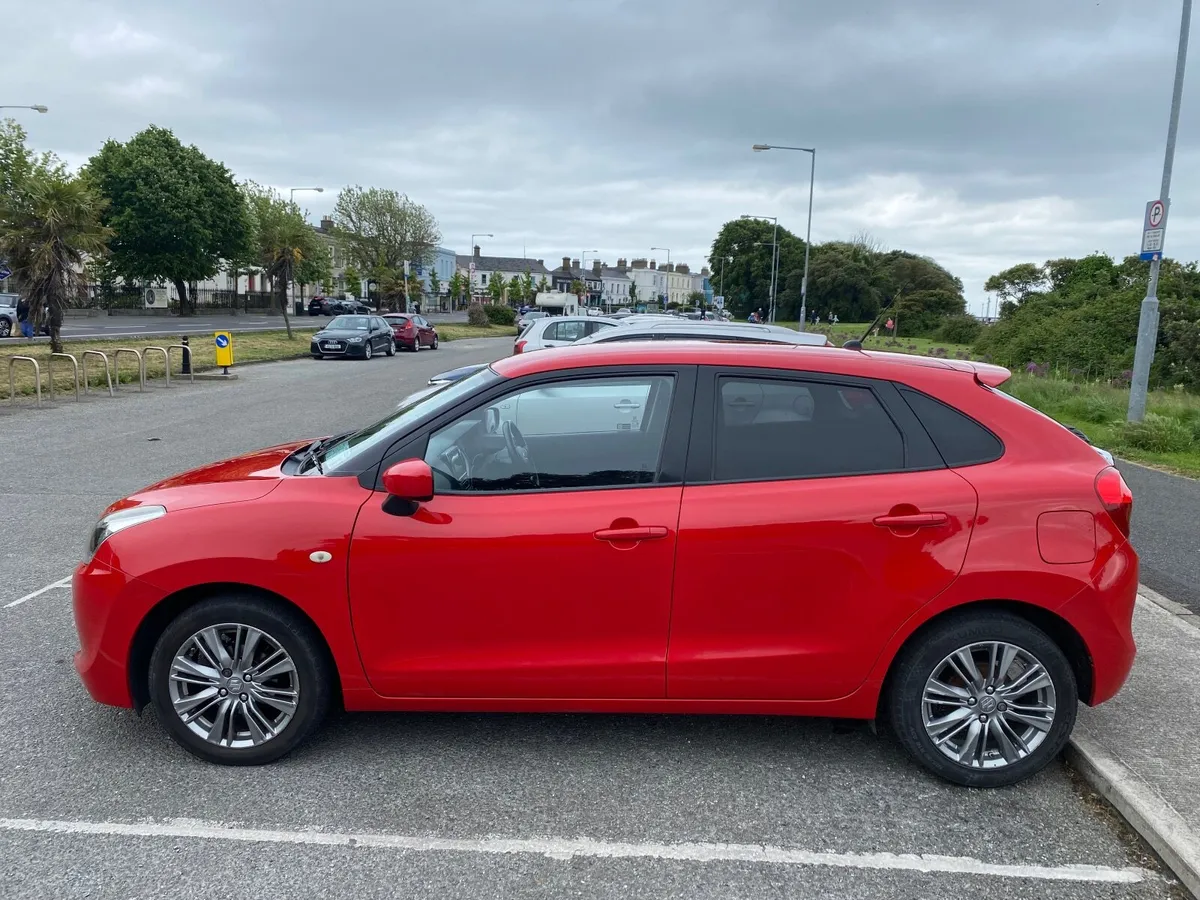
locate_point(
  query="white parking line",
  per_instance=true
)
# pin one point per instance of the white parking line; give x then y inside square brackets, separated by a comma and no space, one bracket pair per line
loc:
[62,582]
[567,848]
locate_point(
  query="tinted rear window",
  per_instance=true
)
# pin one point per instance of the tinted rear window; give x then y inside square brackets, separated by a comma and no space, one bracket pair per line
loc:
[960,439]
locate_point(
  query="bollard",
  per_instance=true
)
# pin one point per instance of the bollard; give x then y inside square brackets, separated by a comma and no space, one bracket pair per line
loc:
[187,357]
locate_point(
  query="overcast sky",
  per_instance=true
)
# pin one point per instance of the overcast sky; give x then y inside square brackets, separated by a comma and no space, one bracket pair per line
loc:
[981,134]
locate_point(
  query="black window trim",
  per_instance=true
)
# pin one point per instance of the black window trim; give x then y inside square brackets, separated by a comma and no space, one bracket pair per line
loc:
[902,388]
[920,454]
[672,458]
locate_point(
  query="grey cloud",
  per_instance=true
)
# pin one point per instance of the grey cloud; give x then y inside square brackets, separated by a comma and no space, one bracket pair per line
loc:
[980,134]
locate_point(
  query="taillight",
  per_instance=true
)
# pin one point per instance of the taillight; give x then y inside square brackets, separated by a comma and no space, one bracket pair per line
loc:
[1116,498]
[518,347]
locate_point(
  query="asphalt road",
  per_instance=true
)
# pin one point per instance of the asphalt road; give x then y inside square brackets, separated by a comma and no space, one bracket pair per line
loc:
[96,802]
[154,326]
[1166,532]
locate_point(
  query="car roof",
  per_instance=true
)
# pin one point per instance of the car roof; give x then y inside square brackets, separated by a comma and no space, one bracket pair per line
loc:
[715,330]
[835,360]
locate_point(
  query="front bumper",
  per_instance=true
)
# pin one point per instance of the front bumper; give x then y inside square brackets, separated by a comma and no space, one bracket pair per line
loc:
[344,350]
[109,605]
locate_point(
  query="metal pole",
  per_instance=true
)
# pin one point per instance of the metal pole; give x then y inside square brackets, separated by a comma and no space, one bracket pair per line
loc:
[812,177]
[1148,320]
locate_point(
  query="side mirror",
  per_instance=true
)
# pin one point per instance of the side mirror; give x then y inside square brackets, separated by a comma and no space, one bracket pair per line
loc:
[411,480]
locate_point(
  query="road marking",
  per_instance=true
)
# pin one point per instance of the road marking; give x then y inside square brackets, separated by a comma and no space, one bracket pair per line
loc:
[568,848]
[61,583]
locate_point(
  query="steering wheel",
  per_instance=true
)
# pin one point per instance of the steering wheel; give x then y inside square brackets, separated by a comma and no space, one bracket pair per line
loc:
[457,465]
[518,448]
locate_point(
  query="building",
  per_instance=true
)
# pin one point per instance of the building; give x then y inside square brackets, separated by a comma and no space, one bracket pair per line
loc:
[570,271]
[615,285]
[679,283]
[647,280]
[702,283]
[338,260]
[482,269]
[443,263]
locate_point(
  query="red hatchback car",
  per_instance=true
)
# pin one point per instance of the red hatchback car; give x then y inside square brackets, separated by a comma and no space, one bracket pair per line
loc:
[412,332]
[752,529]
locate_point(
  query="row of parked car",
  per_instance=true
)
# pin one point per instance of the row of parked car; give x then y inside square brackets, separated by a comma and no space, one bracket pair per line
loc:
[364,336]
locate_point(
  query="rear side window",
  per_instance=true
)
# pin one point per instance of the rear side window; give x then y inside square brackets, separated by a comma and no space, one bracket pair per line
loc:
[770,429]
[960,439]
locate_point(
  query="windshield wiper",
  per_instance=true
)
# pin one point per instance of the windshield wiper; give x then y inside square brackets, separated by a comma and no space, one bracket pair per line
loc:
[312,453]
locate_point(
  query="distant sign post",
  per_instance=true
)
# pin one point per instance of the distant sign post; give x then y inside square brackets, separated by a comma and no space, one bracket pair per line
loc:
[5,271]
[719,302]
[1154,227]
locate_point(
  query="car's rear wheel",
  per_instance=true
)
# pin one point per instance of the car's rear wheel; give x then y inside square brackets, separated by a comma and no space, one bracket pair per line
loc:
[391,348]
[416,347]
[238,680]
[983,700]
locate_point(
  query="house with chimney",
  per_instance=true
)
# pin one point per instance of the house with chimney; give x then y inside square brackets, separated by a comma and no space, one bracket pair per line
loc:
[483,269]
[569,272]
[615,284]
[649,282]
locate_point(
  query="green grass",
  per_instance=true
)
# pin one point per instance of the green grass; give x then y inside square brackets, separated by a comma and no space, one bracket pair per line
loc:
[248,347]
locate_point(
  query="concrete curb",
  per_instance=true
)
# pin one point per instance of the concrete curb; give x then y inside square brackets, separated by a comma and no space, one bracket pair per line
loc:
[1139,804]
[1148,814]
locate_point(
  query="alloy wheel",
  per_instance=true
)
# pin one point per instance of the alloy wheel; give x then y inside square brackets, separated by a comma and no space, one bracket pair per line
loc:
[367,352]
[234,685]
[988,705]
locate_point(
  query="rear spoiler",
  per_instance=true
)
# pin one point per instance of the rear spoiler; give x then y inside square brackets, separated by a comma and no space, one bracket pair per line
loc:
[990,375]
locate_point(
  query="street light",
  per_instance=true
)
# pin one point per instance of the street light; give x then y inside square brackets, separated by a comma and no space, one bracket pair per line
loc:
[774,262]
[668,251]
[37,107]
[812,176]
[292,201]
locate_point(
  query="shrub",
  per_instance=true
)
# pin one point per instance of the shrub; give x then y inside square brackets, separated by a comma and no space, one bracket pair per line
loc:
[477,315]
[1158,434]
[1095,408]
[500,315]
[958,330]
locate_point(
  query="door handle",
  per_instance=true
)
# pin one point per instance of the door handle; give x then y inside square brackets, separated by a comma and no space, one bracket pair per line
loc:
[631,535]
[626,404]
[913,520]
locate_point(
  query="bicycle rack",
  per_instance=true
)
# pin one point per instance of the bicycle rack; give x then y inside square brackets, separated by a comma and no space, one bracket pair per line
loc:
[107,371]
[184,352]
[141,365]
[12,382]
[166,362]
[50,372]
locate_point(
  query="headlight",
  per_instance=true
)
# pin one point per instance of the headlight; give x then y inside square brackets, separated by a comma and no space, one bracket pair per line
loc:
[356,340]
[119,521]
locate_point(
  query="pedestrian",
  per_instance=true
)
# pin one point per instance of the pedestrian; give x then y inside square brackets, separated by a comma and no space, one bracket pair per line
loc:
[23,318]
[417,307]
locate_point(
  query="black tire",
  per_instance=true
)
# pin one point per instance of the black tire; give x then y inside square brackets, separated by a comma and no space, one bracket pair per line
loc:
[434,345]
[917,662]
[5,327]
[391,348]
[416,347]
[367,351]
[286,627]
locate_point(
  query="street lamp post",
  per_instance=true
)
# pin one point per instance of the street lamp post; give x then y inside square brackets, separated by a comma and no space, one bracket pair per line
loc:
[37,107]
[668,294]
[774,264]
[292,200]
[1147,336]
[812,175]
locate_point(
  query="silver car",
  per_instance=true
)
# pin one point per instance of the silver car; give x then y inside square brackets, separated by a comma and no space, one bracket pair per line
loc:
[560,331]
[685,330]
[8,314]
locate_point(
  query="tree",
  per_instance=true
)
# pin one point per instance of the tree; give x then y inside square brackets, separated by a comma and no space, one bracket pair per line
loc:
[457,286]
[633,294]
[49,229]
[1013,285]
[496,286]
[697,299]
[750,243]
[317,265]
[543,285]
[516,291]
[18,163]
[383,228]
[528,288]
[281,239]
[435,284]
[578,288]
[175,213]
[416,289]
[353,281]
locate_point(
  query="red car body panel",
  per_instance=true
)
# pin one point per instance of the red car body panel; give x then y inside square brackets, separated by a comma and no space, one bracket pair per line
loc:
[546,634]
[684,622]
[408,334]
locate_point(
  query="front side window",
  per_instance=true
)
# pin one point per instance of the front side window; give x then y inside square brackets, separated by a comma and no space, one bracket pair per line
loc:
[351,323]
[768,429]
[580,434]
[566,331]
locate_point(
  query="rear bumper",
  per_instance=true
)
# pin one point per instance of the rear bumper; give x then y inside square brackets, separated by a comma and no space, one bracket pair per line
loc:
[1102,614]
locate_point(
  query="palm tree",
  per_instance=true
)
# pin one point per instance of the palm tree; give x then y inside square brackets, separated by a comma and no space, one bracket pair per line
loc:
[282,240]
[49,229]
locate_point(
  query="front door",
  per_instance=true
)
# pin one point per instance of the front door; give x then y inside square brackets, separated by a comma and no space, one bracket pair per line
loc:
[809,545]
[543,566]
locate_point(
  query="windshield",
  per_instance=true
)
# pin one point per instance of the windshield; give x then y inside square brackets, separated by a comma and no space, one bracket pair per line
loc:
[350,323]
[344,455]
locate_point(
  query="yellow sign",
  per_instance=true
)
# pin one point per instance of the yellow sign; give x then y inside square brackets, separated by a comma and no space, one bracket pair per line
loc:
[224,344]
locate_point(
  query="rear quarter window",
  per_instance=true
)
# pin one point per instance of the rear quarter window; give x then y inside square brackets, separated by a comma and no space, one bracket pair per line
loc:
[959,439]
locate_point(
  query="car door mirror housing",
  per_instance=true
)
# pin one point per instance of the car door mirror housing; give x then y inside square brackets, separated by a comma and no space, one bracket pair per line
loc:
[410,480]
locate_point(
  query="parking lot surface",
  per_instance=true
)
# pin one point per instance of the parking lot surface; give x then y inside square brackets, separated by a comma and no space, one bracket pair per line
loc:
[98,802]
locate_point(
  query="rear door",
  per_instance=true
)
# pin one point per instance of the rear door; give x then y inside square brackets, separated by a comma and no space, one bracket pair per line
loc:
[560,334]
[817,517]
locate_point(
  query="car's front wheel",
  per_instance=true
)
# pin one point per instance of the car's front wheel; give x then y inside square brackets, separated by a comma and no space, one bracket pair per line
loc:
[367,352]
[434,345]
[5,327]
[238,680]
[983,700]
